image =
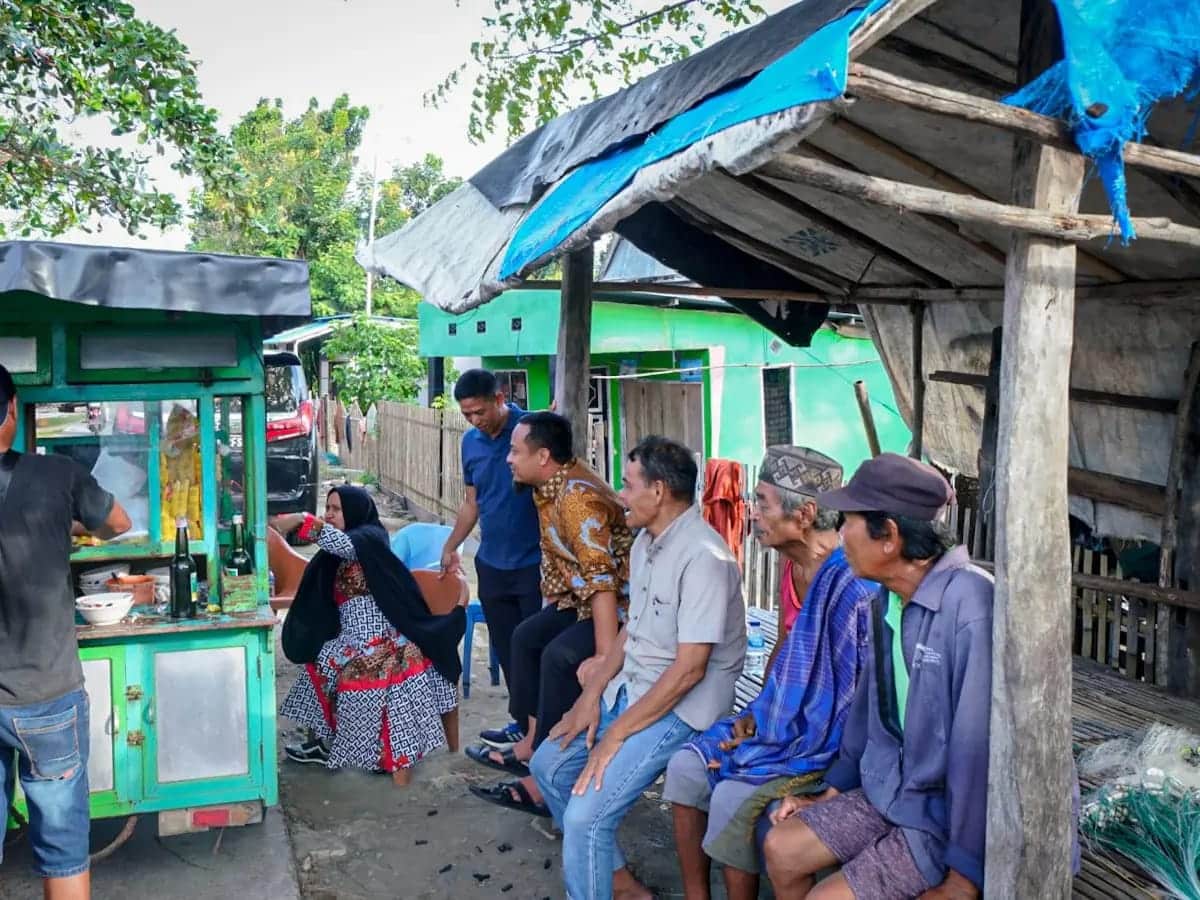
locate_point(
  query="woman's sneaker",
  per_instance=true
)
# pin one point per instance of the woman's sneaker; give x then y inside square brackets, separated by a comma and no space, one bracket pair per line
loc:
[503,738]
[310,751]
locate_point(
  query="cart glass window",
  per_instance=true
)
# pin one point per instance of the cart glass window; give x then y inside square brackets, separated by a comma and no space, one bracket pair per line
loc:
[156,351]
[109,440]
[231,492]
[19,354]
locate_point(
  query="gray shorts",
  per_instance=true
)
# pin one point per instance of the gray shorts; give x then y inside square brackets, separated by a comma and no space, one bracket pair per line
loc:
[687,784]
[875,858]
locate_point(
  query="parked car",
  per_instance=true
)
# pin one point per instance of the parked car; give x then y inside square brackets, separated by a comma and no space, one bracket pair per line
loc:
[293,450]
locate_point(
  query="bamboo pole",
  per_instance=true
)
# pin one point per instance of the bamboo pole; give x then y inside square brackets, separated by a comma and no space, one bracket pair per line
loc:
[868,416]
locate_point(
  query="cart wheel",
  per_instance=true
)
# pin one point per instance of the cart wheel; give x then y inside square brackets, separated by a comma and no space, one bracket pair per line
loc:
[117,842]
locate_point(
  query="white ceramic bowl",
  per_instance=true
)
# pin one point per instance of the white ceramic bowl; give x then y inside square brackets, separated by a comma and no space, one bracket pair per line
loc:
[104,609]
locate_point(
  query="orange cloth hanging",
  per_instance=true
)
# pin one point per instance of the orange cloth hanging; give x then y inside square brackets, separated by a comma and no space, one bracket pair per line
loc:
[725,503]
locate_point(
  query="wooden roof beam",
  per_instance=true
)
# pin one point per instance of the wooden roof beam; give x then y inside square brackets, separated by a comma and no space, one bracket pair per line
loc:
[823,279]
[1088,264]
[779,197]
[1071,227]
[885,22]
[867,81]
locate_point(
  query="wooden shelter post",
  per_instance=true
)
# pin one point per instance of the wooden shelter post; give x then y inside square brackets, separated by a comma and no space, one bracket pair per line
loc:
[1029,788]
[1031,775]
[573,364]
[918,380]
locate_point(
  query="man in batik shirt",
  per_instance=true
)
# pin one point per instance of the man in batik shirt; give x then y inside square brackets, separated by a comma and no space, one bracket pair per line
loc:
[585,572]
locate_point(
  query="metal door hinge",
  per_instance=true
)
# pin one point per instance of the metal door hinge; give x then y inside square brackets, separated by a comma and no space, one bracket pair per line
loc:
[133,693]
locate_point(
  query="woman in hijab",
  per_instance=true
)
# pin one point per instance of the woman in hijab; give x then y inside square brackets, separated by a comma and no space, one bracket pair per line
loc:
[380,671]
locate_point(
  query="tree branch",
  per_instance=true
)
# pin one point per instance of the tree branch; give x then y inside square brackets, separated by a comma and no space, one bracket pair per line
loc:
[558,49]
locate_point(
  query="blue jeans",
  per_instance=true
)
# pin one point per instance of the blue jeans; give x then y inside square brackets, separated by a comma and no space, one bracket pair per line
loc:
[589,823]
[47,744]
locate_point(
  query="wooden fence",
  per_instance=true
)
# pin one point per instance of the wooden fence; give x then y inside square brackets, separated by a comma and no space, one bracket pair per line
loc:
[414,452]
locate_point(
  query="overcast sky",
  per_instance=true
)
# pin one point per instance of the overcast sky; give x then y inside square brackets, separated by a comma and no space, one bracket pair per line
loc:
[385,55]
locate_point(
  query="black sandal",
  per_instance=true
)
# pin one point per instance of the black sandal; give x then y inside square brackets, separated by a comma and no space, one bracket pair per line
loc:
[482,754]
[501,794]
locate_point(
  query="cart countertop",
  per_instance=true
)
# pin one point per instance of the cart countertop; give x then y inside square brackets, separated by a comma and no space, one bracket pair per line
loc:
[148,624]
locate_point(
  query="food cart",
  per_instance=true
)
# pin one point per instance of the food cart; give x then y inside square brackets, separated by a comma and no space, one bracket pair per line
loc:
[146,367]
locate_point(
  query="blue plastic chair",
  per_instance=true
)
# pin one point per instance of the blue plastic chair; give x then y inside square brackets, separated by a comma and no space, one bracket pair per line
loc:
[419,546]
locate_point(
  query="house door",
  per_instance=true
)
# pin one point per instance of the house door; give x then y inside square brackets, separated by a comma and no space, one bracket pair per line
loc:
[666,408]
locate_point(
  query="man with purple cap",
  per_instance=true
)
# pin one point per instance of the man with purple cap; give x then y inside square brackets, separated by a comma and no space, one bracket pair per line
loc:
[906,811]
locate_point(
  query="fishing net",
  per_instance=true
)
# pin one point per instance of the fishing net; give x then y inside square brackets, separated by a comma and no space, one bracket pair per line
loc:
[1148,805]
[1120,58]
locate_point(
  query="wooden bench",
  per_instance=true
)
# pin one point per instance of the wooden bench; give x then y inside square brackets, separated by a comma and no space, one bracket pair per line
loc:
[1104,706]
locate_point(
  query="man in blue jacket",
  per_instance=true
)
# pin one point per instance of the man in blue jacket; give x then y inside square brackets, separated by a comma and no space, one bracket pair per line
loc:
[906,811]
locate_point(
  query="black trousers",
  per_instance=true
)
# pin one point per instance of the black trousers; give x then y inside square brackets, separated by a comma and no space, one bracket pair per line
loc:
[508,597]
[546,652]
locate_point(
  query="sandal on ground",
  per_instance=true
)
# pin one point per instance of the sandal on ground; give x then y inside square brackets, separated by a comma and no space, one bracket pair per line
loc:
[501,794]
[482,754]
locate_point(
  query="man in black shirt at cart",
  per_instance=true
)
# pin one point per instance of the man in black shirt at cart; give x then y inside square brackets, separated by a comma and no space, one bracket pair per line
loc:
[43,707]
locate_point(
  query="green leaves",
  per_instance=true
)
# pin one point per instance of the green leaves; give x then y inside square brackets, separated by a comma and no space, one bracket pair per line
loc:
[377,362]
[61,59]
[539,58]
[298,199]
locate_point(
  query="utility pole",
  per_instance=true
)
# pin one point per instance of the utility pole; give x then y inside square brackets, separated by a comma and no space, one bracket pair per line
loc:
[371,231]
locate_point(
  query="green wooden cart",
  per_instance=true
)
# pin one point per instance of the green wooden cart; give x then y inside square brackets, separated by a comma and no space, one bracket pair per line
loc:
[147,367]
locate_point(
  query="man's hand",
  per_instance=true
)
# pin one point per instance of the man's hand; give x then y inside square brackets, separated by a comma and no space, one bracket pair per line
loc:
[743,728]
[792,805]
[588,668]
[584,716]
[955,887]
[602,754]
[451,562]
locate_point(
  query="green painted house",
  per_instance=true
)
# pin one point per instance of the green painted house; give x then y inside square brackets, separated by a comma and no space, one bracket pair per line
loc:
[690,368]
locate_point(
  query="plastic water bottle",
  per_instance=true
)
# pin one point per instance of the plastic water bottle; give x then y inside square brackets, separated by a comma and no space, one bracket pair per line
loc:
[756,651]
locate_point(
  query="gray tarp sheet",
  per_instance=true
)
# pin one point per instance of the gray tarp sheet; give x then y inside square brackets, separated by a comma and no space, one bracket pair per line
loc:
[275,290]
[539,159]
[1139,349]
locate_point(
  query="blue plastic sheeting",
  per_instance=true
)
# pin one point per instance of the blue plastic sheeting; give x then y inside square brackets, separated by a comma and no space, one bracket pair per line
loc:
[1120,58]
[814,71]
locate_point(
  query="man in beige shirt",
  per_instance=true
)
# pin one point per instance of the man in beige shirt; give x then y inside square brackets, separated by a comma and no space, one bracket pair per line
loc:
[670,674]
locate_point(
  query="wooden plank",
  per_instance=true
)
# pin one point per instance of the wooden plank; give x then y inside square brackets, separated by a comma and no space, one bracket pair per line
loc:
[933,176]
[573,363]
[884,22]
[987,451]
[1106,488]
[1030,777]
[867,81]
[1078,395]
[1071,227]
[1170,525]
[918,380]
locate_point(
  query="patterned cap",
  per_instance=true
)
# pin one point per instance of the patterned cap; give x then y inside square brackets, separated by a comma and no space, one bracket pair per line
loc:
[800,470]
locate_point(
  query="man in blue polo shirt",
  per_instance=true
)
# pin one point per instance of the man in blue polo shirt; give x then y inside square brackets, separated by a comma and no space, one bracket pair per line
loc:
[508,562]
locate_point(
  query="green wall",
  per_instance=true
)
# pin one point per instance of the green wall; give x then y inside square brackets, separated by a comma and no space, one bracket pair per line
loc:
[824,410]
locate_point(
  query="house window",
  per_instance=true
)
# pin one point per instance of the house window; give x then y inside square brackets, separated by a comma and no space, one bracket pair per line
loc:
[777,406]
[515,384]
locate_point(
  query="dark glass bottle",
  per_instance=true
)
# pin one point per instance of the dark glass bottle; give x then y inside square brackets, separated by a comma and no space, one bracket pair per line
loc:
[183,570]
[237,561]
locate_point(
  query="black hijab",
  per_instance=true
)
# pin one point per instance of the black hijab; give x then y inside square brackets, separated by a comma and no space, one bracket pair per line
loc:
[313,618]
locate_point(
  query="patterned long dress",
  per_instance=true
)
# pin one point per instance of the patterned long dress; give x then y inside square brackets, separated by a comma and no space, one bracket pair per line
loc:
[372,696]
